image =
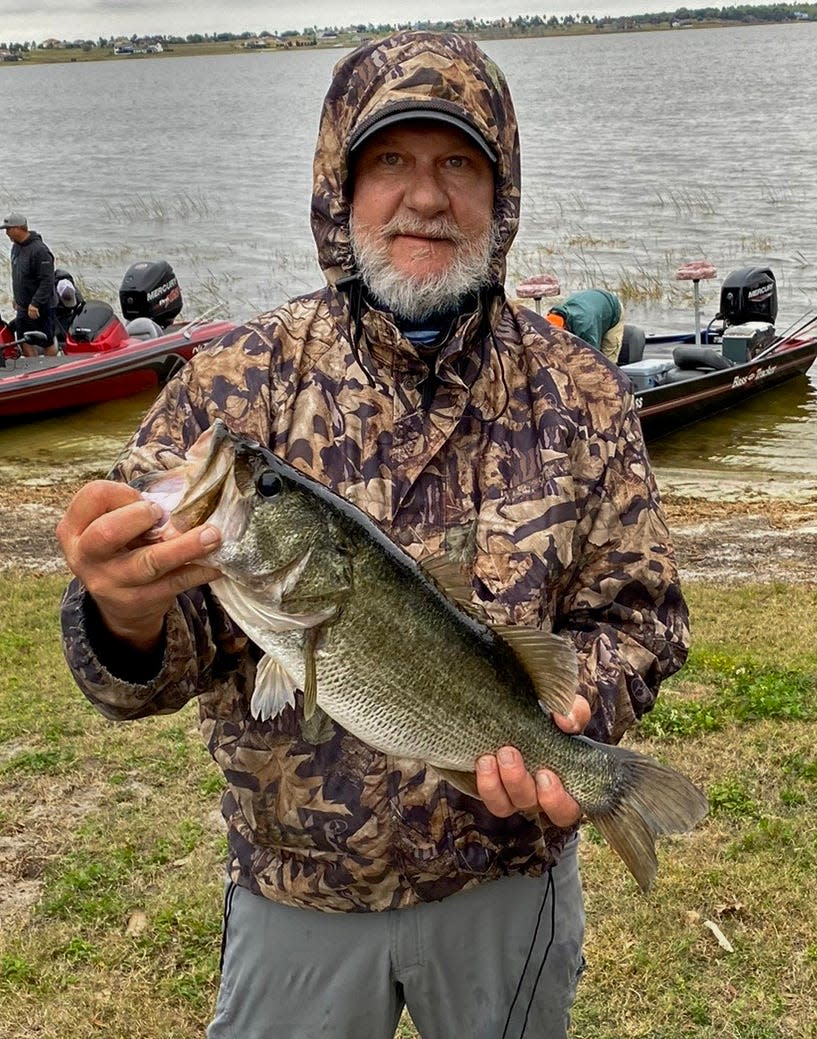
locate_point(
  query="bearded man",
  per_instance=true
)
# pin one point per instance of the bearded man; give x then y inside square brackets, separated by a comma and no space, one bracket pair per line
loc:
[358,882]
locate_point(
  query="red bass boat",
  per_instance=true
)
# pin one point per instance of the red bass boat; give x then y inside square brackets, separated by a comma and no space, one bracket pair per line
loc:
[101,357]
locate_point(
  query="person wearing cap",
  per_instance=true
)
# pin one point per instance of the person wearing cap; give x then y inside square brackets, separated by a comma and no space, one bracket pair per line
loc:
[358,882]
[32,284]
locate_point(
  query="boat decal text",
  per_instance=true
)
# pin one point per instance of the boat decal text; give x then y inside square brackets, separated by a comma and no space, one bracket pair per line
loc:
[755,376]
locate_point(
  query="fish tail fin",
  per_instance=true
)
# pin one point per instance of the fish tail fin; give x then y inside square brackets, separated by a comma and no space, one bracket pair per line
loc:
[651,799]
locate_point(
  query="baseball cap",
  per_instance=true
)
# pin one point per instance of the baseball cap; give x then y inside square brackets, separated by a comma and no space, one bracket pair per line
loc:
[420,110]
[15,220]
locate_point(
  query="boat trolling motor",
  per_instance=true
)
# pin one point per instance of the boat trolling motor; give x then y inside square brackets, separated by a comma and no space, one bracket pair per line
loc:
[150,299]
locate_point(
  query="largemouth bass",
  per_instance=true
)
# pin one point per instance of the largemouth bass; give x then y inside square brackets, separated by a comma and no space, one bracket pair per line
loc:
[394,651]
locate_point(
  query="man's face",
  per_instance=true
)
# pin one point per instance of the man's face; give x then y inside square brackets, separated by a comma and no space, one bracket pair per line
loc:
[422,207]
[17,234]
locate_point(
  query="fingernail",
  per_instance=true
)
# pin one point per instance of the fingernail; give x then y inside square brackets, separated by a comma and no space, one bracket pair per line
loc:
[210,536]
[543,781]
[485,764]
[507,756]
[156,511]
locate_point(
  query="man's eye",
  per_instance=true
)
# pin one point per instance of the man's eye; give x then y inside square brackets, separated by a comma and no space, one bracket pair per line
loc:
[457,161]
[390,159]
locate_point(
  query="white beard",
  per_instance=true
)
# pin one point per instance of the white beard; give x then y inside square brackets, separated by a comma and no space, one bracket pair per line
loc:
[416,298]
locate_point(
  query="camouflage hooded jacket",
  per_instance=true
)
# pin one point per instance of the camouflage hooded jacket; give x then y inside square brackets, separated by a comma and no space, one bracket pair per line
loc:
[532,437]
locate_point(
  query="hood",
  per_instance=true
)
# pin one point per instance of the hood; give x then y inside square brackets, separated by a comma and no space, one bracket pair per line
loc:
[446,73]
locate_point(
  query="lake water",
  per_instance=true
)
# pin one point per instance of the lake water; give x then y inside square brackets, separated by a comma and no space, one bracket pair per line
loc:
[640,151]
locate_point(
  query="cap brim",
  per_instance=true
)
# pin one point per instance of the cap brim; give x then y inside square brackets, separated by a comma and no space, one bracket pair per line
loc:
[429,115]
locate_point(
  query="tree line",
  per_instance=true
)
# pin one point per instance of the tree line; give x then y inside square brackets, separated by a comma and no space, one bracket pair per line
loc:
[522,24]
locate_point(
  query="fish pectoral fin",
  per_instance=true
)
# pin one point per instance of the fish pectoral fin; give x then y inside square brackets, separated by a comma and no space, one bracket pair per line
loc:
[274,689]
[548,659]
[463,781]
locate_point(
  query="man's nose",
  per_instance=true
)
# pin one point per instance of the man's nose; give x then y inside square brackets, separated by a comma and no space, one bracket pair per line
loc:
[425,192]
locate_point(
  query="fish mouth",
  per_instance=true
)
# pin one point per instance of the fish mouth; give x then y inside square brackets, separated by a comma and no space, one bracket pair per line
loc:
[202,489]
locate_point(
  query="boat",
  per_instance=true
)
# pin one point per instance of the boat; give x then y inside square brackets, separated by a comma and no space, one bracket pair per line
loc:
[682,378]
[102,357]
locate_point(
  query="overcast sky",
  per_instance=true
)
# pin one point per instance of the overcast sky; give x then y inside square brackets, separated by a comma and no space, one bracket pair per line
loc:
[89,19]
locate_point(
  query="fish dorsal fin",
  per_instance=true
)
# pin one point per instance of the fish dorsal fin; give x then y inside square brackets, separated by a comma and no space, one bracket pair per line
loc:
[274,689]
[310,672]
[447,574]
[464,781]
[548,659]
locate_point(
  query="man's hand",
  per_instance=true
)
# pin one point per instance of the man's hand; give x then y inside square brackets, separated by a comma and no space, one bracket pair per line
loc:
[133,583]
[506,786]
[33,311]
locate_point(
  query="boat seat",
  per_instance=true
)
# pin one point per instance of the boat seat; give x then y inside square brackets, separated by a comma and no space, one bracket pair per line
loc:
[143,328]
[632,345]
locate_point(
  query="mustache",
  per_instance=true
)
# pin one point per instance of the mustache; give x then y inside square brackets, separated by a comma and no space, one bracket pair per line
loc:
[439,228]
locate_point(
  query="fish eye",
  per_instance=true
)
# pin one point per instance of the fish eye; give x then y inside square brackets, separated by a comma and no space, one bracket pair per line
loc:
[268,484]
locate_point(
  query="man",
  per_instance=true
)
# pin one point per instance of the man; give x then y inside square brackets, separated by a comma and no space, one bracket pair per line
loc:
[359,882]
[32,284]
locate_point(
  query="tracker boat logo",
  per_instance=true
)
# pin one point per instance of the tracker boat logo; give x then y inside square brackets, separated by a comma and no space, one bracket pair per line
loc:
[755,376]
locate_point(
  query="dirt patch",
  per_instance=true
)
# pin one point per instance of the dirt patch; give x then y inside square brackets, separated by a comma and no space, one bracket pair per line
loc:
[34,841]
[735,542]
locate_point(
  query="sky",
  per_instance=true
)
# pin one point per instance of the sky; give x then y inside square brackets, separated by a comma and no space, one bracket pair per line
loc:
[89,19]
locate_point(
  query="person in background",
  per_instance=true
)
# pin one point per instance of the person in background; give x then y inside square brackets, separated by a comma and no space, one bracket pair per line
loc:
[593,315]
[360,883]
[32,284]
[69,302]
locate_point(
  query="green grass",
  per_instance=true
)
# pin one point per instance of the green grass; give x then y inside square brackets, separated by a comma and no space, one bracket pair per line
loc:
[111,828]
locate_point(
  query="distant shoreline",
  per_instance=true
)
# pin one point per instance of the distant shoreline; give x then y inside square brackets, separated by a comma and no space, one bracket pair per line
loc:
[62,55]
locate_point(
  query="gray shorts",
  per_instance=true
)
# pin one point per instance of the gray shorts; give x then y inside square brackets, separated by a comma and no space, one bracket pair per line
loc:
[498,962]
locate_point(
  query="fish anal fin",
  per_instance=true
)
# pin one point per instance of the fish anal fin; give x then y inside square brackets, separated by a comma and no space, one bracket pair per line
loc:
[274,689]
[463,781]
[548,659]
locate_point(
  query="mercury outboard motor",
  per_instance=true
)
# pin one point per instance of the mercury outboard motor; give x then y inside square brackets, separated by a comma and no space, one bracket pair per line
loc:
[150,289]
[749,294]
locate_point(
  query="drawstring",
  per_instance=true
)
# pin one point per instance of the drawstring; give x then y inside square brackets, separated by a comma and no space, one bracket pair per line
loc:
[228,908]
[549,890]
[486,336]
[352,285]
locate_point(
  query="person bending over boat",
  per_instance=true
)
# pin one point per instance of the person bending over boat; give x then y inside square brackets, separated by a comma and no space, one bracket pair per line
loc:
[593,315]
[32,284]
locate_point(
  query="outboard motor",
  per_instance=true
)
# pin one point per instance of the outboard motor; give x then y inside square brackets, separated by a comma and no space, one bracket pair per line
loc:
[749,294]
[150,289]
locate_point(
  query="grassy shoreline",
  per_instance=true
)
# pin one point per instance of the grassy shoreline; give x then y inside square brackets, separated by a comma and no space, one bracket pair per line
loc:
[111,846]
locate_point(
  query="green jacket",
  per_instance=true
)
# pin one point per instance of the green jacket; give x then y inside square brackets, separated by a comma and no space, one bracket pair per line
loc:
[590,314]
